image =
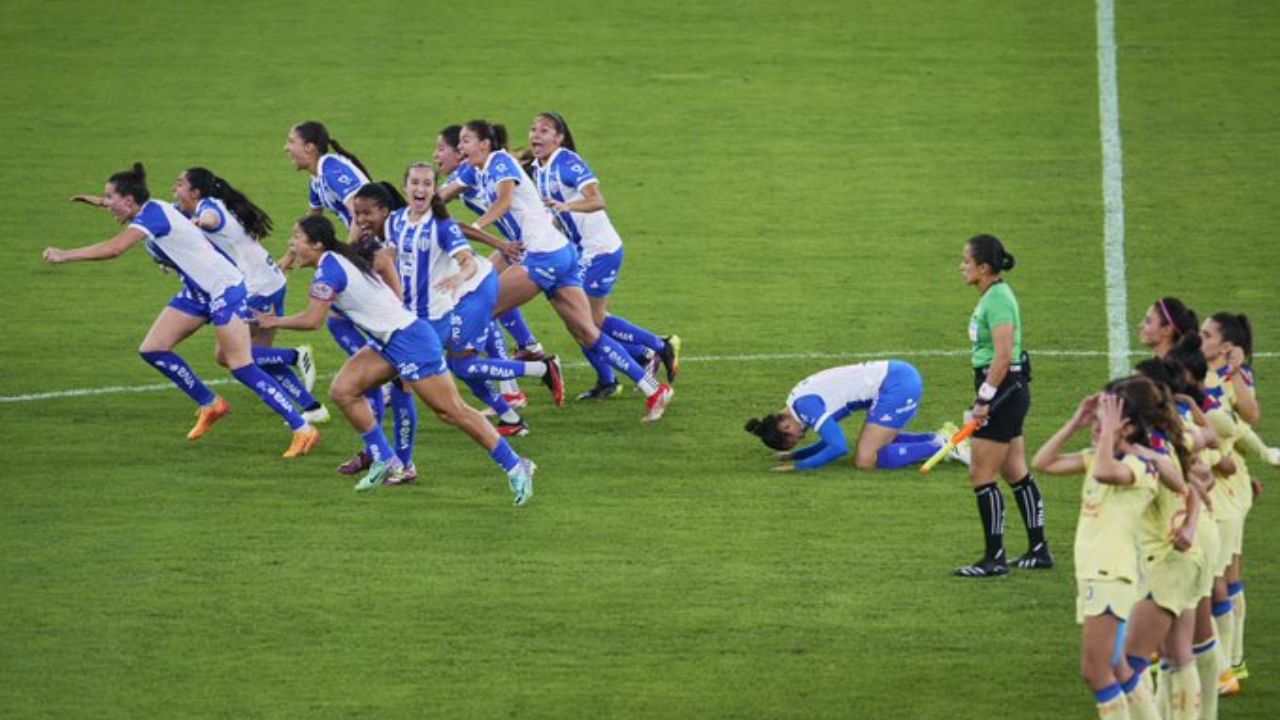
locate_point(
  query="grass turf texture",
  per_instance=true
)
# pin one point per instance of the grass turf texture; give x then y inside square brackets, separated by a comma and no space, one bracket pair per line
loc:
[787,180]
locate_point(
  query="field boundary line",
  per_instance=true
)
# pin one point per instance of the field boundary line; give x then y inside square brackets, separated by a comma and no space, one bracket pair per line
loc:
[747,358]
[1112,190]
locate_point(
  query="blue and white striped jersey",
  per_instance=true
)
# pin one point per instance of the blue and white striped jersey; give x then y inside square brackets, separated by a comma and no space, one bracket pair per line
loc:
[261,276]
[562,180]
[425,255]
[363,299]
[175,242]
[837,392]
[533,224]
[336,179]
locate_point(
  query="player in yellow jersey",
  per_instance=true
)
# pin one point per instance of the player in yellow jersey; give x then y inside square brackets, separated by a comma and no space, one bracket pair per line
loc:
[1118,487]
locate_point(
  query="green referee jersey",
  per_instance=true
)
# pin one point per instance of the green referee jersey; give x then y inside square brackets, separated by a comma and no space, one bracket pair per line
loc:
[996,307]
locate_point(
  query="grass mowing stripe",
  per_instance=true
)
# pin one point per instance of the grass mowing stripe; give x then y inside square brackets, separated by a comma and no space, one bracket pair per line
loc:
[1112,190]
[757,357]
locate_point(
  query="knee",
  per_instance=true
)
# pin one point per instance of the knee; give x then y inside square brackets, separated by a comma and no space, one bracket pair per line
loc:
[865,460]
[585,334]
[344,393]
[220,357]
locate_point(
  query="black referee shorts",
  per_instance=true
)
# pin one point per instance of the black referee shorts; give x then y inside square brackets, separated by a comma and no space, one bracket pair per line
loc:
[1005,422]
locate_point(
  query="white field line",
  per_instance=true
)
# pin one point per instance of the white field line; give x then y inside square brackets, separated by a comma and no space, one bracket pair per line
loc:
[757,357]
[1112,191]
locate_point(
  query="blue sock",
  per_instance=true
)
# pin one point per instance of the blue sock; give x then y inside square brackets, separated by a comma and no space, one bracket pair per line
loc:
[171,365]
[1139,665]
[1108,693]
[253,377]
[612,353]
[1235,588]
[495,343]
[901,454]
[504,455]
[1222,608]
[488,395]
[469,368]
[513,321]
[639,352]
[624,331]
[290,383]
[1205,647]
[375,443]
[915,437]
[404,413]
[349,337]
[273,357]
[604,370]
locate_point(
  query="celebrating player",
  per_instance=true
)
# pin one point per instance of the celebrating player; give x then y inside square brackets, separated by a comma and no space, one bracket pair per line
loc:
[401,345]
[549,264]
[889,391]
[569,187]
[213,292]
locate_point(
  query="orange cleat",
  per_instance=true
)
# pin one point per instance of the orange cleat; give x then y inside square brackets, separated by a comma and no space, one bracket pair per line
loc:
[207,415]
[1228,684]
[304,441]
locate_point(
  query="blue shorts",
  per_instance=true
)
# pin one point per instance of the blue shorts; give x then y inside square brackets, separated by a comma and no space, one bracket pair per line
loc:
[219,311]
[272,304]
[600,273]
[554,270]
[899,397]
[466,327]
[414,352]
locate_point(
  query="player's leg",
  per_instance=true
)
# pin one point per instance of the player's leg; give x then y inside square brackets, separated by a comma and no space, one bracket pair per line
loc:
[172,326]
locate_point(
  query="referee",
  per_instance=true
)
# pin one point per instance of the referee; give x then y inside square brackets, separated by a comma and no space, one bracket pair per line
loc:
[1001,374]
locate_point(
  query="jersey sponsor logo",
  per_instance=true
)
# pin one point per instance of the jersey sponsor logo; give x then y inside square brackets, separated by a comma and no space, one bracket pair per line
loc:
[886,418]
[321,291]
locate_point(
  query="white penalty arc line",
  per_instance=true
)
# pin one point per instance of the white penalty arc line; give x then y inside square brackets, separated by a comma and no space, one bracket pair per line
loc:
[748,358]
[1112,190]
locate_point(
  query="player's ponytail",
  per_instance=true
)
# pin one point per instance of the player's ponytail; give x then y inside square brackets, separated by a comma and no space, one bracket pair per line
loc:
[766,428]
[495,134]
[315,133]
[132,182]
[319,231]
[255,220]
[562,129]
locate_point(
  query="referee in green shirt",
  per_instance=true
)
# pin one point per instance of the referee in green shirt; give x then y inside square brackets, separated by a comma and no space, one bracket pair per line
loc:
[1001,375]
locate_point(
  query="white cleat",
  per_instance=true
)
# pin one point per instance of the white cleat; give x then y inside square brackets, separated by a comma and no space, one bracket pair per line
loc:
[961,453]
[307,366]
[316,417]
[657,403]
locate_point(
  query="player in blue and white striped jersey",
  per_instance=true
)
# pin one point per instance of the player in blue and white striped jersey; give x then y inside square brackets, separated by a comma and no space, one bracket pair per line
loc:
[213,292]
[455,290]
[569,187]
[402,345]
[888,390]
[237,226]
[550,262]
[460,182]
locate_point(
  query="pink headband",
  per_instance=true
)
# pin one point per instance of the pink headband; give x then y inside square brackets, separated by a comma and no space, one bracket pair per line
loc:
[1167,317]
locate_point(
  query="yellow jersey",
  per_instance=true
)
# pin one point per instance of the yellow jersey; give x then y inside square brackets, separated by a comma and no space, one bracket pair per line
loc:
[1107,531]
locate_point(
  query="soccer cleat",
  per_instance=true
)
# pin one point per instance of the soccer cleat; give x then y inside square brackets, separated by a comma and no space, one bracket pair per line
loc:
[657,403]
[670,357]
[519,428]
[554,380]
[1228,683]
[946,432]
[304,441]
[600,392]
[520,479]
[533,353]
[306,365]
[207,415]
[317,415]
[357,464]
[516,399]
[404,476]
[378,472]
[961,453]
[1241,671]
[1038,558]
[986,567]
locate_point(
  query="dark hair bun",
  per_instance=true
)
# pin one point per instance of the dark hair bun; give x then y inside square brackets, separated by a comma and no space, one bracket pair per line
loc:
[753,426]
[1006,260]
[139,171]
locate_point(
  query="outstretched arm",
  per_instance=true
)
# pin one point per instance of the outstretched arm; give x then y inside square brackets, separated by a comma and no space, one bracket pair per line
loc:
[105,250]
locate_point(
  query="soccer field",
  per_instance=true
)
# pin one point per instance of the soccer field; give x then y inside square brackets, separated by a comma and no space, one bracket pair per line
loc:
[794,185]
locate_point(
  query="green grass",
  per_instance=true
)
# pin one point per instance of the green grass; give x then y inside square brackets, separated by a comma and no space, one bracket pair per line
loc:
[788,180]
